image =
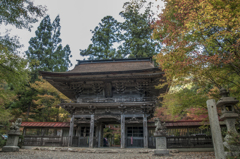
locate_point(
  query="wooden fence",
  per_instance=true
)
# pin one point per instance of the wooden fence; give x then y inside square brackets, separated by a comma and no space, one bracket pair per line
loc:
[184,142]
[172,142]
[45,141]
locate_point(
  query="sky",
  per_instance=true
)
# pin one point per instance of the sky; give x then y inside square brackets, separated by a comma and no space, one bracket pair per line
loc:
[77,18]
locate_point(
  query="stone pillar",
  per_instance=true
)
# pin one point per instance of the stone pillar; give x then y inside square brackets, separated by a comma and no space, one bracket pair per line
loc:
[91,132]
[100,135]
[145,131]
[71,131]
[215,129]
[122,131]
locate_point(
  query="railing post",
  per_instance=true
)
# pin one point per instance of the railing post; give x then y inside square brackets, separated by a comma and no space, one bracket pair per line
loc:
[122,131]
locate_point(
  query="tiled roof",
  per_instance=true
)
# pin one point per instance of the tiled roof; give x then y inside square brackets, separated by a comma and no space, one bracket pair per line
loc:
[112,66]
[45,124]
[168,124]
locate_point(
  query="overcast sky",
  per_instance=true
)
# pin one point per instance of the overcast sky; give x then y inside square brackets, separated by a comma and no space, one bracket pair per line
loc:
[77,18]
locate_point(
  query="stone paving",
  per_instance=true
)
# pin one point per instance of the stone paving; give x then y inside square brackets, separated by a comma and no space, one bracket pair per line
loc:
[87,153]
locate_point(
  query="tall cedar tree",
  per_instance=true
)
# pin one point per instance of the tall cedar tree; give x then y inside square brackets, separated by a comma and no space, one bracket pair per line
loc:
[136,32]
[103,39]
[133,35]
[45,52]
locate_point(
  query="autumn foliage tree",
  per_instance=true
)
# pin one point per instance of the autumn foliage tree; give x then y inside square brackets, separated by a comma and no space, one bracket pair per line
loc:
[46,102]
[200,47]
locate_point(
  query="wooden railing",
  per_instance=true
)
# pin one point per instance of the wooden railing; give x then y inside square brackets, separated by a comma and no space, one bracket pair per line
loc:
[45,141]
[190,142]
[184,142]
[108,100]
[137,142]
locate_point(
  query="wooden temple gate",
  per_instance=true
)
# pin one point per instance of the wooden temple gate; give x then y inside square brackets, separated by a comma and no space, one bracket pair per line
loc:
[103,92]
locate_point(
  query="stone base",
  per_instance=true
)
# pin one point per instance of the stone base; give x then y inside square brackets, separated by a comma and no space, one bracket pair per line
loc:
[161,152]
[10,149]
[161,142]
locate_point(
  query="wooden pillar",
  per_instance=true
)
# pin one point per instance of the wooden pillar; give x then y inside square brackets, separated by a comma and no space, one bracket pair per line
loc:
[100,128]
[91,132]
[122,131]
[95,144]
[145,131]
[71,131]
[78,133]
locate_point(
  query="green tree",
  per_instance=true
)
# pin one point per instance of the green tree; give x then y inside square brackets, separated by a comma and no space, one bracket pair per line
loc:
[105,35]
[13,72]
[20,14]
[45,52]
[136,31]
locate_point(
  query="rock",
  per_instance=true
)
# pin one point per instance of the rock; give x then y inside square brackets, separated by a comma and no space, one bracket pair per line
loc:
[52,149]
[58,149]
[174,151]
[36,148]
[161,152]
[72,150]
[43,148]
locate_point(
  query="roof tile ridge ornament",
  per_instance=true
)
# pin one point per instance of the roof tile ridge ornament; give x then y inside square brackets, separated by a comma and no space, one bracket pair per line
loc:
[79,62]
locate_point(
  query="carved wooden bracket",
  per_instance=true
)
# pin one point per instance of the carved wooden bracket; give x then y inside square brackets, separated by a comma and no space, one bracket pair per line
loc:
[145,108]
[122,108]
[118,117]
[91,109]
[120,88]
[97,88]
[82,120]
[107,110]
[134,120]
[76,87]
[69,108]
[133,109]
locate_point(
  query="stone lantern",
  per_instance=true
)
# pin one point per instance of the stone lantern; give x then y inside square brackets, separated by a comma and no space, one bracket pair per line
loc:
[226,104]
[13,136]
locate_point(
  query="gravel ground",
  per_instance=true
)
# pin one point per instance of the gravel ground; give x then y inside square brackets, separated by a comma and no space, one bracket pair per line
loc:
[39,154]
